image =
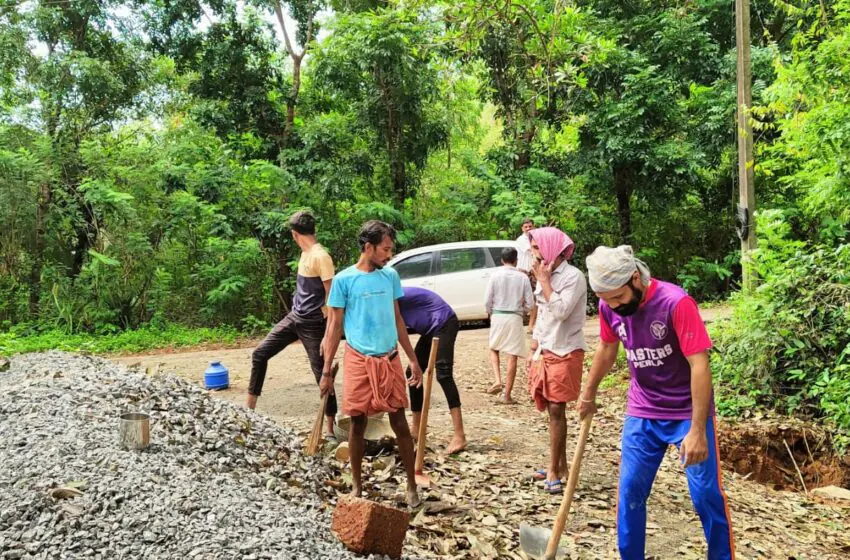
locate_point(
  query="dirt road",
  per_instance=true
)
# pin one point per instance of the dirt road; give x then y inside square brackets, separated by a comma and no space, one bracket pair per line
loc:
[487,491]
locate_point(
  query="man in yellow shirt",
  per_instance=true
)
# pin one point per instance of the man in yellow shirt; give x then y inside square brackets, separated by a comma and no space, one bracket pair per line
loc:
[306,322]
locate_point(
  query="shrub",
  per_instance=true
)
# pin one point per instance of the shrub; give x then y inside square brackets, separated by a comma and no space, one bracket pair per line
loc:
[787,344]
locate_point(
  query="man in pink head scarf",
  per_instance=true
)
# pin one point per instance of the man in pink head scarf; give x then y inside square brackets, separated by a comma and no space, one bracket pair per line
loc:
[555,365]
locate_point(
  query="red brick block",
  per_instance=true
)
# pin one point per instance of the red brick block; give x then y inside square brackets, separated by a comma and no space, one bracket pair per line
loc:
[366,527]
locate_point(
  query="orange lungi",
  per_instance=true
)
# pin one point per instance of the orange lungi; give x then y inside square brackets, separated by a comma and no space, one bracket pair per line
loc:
[555,379]
[372,384]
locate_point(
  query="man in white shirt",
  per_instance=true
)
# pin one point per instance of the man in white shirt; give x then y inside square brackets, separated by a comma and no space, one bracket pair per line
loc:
[555,368]
[509,298]
[525,264]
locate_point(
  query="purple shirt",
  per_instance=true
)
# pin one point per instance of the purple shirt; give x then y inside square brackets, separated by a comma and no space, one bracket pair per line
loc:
[660,387]
[423,311]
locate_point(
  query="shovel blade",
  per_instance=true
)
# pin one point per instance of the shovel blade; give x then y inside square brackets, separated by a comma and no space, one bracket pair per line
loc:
[422,480]
[534,540]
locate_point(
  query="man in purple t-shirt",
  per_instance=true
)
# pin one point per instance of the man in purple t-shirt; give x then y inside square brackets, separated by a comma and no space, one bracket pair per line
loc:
[428,315]
[670,399]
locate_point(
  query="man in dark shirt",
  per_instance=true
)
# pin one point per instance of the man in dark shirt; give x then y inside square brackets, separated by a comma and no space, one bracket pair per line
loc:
[306,322]
[428,315]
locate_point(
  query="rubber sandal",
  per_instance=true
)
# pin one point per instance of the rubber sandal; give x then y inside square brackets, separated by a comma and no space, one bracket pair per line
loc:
[539,474]
[503,401]
[555,487]
[494,389]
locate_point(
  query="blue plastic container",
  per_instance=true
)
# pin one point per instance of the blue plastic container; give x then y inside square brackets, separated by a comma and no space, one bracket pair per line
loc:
[217,377]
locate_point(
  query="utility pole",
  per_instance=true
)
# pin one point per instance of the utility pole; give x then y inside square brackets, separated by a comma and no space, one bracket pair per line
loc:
[747,197]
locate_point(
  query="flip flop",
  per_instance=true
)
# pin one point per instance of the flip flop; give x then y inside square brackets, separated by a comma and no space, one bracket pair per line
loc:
[494,389]
[503,401]
[539,474]
[555,487]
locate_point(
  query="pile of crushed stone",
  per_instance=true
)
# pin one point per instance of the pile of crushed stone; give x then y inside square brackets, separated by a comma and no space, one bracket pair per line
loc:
[218,480]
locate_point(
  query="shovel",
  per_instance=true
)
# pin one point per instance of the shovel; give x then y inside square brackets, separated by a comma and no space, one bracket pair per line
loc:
[538,542]
[422,478]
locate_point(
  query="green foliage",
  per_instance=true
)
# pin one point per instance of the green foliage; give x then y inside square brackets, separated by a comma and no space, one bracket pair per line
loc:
[237,69]
[704,279]
[619,377]
[21,339]
[377,62]
[808,106]
[231,277]
[629,107]
[162,162]
[788,344]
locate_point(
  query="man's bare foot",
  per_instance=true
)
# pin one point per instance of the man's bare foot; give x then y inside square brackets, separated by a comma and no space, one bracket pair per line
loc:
[457,444]
[356,491]
[413,498]
[494,388]
[506,400]
[251,402]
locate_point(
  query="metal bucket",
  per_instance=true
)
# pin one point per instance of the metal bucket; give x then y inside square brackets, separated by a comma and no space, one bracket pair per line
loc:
[135,430]
[379,436]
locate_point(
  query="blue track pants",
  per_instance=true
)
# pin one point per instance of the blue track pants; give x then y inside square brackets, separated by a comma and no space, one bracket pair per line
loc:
[644,445]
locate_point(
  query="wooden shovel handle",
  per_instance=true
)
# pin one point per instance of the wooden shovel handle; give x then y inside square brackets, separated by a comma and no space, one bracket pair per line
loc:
[564,511]
[426,404]
[320,415]
[316,434]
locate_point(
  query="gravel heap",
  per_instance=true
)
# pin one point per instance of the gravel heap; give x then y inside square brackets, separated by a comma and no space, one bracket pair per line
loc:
[218,480]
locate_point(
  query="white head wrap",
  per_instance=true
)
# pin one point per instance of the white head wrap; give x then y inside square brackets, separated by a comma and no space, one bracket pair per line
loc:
[610,268]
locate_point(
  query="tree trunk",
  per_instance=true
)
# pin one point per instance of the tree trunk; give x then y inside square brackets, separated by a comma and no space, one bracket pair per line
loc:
[624,176]
[523,159]
[85,238]
[292,101]
[41,209]
[526,136]
[398,174]
[283,273]
[297,58]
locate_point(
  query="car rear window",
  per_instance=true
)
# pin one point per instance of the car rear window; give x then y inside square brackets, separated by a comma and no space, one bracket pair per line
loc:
[496,253]
[416,266]
[461,260]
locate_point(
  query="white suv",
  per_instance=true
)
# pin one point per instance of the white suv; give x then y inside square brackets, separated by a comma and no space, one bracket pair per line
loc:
[458,272]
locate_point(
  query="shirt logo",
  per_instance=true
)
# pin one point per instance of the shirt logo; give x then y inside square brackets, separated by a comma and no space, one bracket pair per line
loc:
[658,330]
[621,331]
[648,357]
[373,293]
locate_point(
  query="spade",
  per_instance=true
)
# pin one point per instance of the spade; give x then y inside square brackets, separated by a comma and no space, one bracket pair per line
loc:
[539,542]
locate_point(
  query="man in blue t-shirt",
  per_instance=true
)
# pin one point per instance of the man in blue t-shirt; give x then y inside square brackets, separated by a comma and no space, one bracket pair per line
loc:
[363,303]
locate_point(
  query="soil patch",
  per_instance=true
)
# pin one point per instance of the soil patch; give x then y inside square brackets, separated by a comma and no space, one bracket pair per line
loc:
[773,451]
